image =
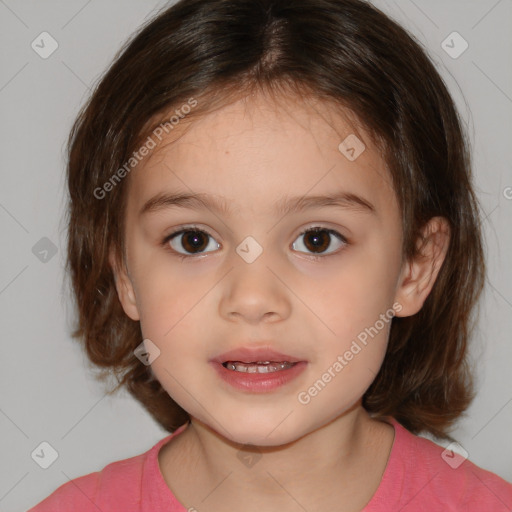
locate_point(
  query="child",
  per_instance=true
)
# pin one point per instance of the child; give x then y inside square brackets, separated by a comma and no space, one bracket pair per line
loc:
[274,245]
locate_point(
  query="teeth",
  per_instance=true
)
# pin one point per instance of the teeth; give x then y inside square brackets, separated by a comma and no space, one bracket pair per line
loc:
[259,367]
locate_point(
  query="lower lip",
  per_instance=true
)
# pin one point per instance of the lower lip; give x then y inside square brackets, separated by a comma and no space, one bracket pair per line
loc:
[259,382]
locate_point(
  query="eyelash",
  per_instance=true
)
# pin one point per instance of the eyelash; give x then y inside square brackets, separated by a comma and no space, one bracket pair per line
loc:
[192,228]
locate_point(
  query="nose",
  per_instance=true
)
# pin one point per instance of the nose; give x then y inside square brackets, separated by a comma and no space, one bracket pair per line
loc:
[253,294]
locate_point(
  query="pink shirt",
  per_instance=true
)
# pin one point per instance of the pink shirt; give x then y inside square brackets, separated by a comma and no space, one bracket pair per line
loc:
[417,478]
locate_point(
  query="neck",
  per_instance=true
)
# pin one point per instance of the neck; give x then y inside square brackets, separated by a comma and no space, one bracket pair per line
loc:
[345,457]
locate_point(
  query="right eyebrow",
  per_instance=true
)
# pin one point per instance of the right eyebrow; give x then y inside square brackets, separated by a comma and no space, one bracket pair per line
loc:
[192,201]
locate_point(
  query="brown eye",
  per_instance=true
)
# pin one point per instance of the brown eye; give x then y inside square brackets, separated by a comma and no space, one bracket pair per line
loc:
[319,240]
[192,241]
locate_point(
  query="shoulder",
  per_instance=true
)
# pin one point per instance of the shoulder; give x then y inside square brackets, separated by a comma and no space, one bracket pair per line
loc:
[116,487]
[435,475]
[78,494]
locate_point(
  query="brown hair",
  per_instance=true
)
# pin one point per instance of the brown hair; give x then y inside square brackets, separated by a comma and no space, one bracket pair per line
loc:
[346,52]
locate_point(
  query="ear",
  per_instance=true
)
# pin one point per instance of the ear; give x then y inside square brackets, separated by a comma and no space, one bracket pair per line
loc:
[124,287]
[418,276]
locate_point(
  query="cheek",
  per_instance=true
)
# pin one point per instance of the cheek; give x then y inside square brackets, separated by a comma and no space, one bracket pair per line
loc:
[356,306]
[168,290]
[345,372]
[355,290]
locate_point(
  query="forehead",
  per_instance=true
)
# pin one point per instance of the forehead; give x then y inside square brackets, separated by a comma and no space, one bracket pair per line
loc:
[257,149]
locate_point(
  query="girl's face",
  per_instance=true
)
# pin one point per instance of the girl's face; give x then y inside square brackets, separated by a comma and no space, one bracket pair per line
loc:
[245,271]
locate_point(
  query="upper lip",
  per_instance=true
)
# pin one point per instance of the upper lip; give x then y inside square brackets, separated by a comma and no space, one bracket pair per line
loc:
[254,355]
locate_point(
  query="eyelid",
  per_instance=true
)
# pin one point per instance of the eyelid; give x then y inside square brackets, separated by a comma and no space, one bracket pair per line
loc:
[181,230]
[187,227]
[333,232]
[319,227]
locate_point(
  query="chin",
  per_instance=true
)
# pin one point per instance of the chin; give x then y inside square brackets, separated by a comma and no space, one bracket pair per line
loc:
[265,433]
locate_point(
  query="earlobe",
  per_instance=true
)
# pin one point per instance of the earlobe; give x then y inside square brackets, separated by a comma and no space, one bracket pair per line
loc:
[124,287]
[418,276]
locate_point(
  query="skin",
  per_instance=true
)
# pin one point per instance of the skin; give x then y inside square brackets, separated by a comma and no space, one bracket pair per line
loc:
[328,452]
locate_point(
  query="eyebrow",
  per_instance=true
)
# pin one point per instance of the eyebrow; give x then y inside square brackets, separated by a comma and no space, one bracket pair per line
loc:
[219,204]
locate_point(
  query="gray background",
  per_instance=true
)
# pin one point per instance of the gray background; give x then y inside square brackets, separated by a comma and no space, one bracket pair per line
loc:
[47,392]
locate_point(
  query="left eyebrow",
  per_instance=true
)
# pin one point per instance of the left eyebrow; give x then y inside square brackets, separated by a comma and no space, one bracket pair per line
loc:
[219,204]
[345,200]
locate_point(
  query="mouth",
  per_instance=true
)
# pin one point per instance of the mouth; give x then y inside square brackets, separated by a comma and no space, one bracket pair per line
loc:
[257,370]
[258,366]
